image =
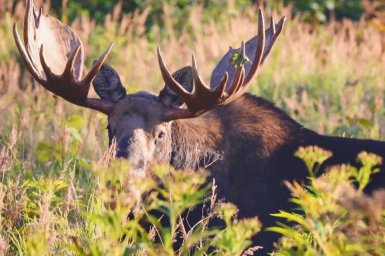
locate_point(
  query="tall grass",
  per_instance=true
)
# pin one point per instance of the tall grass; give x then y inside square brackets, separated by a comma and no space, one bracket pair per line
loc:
[330,78]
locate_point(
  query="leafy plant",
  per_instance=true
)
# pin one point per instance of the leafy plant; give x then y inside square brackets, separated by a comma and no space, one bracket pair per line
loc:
[160,201]
[334,216]
[322,11]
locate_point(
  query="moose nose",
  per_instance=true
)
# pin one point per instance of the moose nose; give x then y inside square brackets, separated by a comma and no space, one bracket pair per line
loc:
[140,164]
[140,167]
[122,149]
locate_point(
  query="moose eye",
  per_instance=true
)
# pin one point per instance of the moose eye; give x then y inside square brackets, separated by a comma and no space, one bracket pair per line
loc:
[161,135]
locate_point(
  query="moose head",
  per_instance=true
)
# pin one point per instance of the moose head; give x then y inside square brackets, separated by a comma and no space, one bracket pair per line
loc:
[140,122]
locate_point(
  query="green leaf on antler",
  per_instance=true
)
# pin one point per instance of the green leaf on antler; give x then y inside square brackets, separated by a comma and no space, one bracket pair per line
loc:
[239,58]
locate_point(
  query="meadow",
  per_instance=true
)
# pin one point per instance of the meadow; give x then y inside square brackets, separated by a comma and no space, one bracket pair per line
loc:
[61,193]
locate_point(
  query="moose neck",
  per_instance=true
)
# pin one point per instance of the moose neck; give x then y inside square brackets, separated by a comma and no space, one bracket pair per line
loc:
[196,139]
[250,121]
[260,131]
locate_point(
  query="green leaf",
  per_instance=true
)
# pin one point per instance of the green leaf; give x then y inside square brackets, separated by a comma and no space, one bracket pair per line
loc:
[239,60]
[77,122]
[44,151]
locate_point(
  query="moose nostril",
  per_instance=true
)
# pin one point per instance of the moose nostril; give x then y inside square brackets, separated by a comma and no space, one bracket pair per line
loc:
[122,149]
[140,164]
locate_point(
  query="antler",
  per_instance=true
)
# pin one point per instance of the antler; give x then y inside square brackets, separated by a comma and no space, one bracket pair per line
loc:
[54,55]
[202,98]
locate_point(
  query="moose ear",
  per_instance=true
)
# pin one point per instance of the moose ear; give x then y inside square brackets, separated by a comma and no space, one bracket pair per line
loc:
[107,84]
[184,77]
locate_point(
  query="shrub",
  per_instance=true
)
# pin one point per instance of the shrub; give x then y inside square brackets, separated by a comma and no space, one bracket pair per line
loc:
[333,216]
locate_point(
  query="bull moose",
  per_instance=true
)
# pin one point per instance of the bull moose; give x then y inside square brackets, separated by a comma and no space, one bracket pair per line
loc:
[190,121]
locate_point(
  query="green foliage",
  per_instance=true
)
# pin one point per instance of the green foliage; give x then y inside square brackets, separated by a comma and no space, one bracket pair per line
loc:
[312,10]
[333,216]
[323,10]
[170,193]
[239,59]
[236,237]
[313,158]
[177,10]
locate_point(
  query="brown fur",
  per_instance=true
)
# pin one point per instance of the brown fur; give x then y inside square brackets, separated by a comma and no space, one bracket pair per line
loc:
[196,141]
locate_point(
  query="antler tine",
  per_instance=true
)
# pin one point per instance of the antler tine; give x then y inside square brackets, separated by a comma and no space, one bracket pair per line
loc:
[25,57]
[259,50]
[199,85]
[219,91]
[272,24]
[69,69]
[96,67]
[202,90]
[28,18]
[47,70]
[169,80]
[276,30]
[239,75]
[61,74]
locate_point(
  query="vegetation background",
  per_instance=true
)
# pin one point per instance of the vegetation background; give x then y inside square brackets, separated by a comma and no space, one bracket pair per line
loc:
[56,197]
